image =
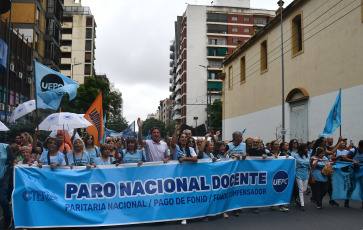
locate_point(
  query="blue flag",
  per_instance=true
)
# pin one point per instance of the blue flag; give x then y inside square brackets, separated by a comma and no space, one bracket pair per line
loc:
[129,131]
[105,130]
[334,119]
[50,86]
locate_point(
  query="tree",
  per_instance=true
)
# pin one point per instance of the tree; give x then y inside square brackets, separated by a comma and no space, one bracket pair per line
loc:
[150,123]
[170,128]
[87,93]
[217,114]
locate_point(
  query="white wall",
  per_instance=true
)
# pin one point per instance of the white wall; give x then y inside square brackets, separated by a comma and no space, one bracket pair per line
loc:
[263,123]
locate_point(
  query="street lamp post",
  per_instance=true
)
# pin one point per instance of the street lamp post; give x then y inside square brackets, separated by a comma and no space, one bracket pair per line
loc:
[196,124]
[283,131]
[74,64]
[209,100]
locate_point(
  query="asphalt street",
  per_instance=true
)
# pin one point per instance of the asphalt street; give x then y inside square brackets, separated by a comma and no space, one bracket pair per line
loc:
[328,218]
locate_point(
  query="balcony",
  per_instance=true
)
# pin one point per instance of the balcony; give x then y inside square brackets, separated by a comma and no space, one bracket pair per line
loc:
[176,117]
[66,48]
[171,72]
[171,80]
[67,24]
[172,55]
[171,63]
[178,87]
[170,89]
[178,78]
[66,36]
[172,47]
[178,97]
[177,107]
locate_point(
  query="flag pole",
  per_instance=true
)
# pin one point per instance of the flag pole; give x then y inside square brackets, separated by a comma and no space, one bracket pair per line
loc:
[36,101]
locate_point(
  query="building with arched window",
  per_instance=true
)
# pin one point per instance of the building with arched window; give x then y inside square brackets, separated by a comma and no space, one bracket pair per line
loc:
[322,43]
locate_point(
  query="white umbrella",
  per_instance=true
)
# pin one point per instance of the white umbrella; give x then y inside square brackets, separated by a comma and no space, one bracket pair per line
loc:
[22,109]
[63,121]
[3,127]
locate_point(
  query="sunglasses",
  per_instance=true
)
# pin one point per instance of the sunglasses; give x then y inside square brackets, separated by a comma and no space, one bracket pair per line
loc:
[191,142]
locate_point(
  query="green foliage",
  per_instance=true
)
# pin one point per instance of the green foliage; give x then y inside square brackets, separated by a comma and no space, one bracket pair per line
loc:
[217,114]
[170,128]
[150,123]
[87,93]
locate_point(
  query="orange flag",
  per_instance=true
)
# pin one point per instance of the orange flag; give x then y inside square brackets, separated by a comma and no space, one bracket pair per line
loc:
[95,115]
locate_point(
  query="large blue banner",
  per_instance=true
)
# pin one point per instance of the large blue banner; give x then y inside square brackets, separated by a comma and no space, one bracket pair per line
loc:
[127,194]
[347,181]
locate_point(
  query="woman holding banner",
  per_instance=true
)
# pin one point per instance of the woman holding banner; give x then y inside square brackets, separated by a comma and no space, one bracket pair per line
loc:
[92,150]
[131,154]
[52,157]
[78,156]
[105,158]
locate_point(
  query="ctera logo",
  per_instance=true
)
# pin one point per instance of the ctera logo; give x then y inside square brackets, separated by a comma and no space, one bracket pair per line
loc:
[38,196]
[280,181]
[51,82]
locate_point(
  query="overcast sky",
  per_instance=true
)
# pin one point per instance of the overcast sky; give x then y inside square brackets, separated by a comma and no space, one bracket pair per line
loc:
[132,47]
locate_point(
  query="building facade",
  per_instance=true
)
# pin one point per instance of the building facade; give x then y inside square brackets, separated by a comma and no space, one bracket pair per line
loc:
[322,53]
[165,111]
[203,36]
[40,22]
[78,41]
[18,89]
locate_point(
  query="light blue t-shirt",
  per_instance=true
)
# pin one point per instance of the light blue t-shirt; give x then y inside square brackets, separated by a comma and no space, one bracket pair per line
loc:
[99,161]
[59,158]
[220,156]
[292,153]
[317,170]
[239,149]
[80,160]
[93,153]
[132,157]
[205,156]
[180,153]
[302,167]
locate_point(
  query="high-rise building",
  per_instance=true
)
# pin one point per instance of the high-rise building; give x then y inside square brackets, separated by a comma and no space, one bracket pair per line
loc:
[203,35]
[40,22]
[165,111]
[78,41]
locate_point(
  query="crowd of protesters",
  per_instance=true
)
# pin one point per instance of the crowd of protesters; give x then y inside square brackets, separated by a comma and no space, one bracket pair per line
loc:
[311,157]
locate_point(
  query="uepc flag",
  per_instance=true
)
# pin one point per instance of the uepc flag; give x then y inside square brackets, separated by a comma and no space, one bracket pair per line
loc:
[50,86]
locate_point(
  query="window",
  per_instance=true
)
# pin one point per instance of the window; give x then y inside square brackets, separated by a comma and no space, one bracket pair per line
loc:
[66,43]
[215,17]
[243,70]
[234,29]
[235,40]
[65,66]
[87,69]
[67,19]
[234,18]
[66,54]
[88,33]
[67,31]
[263,57]
[89,21]
[246,30]
[230,77]
[37,17]
[297,44]
[87,57]
[246,19]
[36,42]
[262,21]
[88,45]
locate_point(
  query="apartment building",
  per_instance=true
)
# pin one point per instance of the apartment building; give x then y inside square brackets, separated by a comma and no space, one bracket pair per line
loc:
[40,22]
[203,36]
[165,110]
[78,41]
